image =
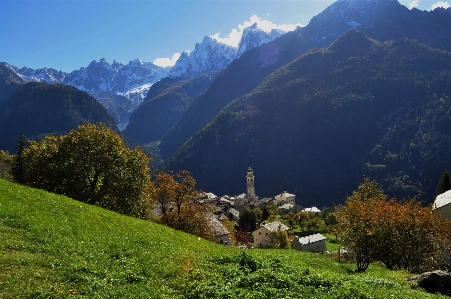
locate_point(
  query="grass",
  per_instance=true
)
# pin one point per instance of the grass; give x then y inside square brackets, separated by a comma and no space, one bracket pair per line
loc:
[55,247]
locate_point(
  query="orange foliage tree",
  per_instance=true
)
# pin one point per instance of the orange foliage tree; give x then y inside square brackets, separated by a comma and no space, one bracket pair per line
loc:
[402,235]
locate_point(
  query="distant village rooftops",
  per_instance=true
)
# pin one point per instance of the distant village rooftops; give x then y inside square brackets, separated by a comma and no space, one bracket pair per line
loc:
[276,226]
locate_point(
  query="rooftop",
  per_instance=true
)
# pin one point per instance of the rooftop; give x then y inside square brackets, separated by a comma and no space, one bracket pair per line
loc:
[310,239]
[442,200]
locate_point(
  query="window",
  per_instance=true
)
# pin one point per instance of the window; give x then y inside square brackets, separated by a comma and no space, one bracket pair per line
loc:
[259,233]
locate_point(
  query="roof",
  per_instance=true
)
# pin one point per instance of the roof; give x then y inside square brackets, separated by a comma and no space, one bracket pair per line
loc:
[310,239]
[286,206]
[217,227]
[312,209]
[442,200]
[276,226]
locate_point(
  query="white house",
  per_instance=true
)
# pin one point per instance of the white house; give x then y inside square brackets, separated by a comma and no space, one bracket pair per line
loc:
[287,197]
[220,231]
[442,205]
[311,243]
[312,209]
[262,234]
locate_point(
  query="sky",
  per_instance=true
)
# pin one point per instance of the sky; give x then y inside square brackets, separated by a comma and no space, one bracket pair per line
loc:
[67,34]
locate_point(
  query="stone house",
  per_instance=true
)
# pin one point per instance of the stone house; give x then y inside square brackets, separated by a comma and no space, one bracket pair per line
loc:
[287,197]
[263,233]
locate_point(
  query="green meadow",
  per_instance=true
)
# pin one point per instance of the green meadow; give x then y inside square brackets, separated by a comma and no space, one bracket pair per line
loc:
[54,247]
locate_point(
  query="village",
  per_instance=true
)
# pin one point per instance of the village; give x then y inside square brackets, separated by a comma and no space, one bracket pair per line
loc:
[268,234]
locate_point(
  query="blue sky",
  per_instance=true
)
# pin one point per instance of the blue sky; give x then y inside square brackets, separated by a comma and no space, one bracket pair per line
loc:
[68,34]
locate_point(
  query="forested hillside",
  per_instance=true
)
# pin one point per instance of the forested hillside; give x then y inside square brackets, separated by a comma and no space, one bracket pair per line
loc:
[317,126]
[38,108]
[164,105]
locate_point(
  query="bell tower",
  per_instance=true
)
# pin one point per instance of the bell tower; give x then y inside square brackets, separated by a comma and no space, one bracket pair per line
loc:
[250,182]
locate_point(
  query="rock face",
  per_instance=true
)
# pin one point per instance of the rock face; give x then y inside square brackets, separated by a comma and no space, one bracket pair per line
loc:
[435,282]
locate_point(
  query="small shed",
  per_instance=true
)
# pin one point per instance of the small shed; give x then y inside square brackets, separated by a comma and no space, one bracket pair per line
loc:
[310,243]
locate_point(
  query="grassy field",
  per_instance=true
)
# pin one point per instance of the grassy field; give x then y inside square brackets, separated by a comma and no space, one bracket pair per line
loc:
[54,247]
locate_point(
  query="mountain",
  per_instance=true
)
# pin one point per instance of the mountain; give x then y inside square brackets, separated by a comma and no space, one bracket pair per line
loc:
[211,55]
[255,37]
[9,82]
[120,88]
[319,124]
[379,19]
[37,109]
[207,56]
[164,105]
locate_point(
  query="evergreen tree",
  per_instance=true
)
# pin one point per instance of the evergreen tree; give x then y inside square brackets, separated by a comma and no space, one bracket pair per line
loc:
[444,184]
[18,167]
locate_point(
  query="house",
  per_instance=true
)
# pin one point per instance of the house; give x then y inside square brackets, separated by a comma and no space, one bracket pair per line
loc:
[312,209]
[287,208]
[442,205]
[311,243]
[287,197]
[219,231]
[263,233]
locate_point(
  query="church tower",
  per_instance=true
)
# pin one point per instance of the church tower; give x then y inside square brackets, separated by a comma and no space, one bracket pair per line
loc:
[250,182]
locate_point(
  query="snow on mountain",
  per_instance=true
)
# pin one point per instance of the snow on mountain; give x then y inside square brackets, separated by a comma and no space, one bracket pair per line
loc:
[213,55]
[207,56]
[47,75]
[255,37]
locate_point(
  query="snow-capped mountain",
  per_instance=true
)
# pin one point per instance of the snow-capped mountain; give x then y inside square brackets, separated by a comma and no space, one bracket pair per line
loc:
[120,88]
[207,56]
[47,75]
[212,55]
[255,37]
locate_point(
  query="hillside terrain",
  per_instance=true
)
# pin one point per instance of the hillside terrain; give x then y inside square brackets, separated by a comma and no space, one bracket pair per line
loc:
[317,126]
[54,247]
[38,108]
[164,105]
[382,20]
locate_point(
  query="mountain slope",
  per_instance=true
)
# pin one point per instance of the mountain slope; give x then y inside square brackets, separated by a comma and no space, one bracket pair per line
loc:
[9,82]
[38,108]
[379,19]
[164,106]
[316,126]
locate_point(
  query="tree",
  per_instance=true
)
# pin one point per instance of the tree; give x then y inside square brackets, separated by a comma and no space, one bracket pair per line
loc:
[17,169]
[176,197]
[6,162]
[248,220]
[444,183]
[91,164]
[402,235]
[357,222]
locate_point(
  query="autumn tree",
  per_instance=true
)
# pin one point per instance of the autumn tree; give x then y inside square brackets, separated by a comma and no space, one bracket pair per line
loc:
[91,164]
[400,234]
[176,196]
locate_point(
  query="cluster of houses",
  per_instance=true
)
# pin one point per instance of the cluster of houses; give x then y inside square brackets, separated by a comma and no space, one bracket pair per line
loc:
[230,207]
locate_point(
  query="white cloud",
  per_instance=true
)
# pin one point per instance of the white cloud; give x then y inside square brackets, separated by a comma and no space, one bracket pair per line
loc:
[164,62]
[234,37]
[414,3]
[440,4]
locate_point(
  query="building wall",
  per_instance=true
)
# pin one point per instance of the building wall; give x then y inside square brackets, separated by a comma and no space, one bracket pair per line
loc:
[316,247]
[444,211]
[261,236]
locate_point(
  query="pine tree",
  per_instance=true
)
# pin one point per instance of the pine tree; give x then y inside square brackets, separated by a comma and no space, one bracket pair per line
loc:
[444,184]
[17,169]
